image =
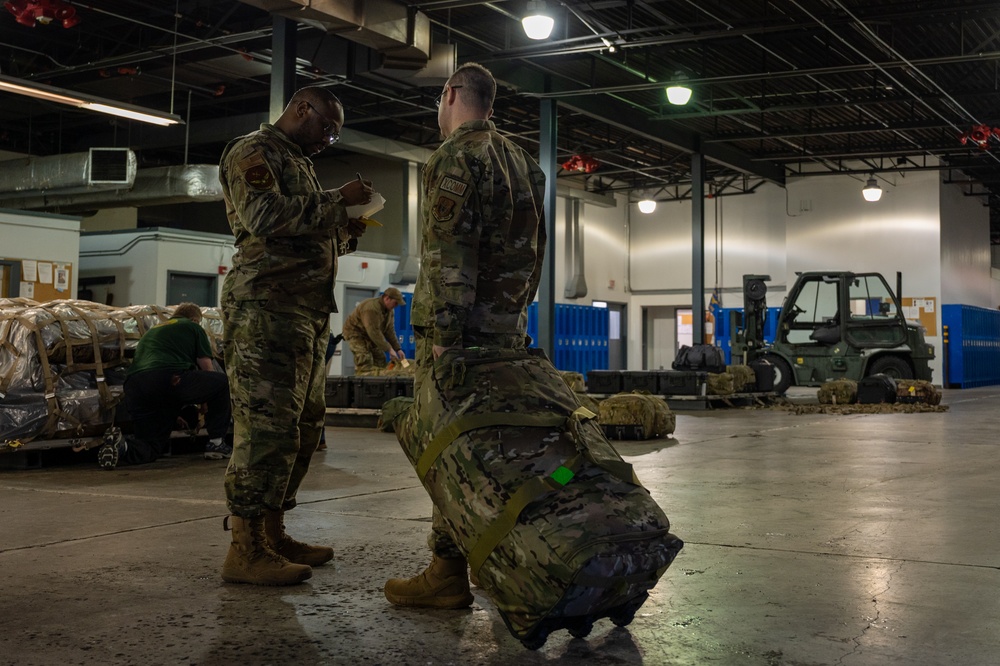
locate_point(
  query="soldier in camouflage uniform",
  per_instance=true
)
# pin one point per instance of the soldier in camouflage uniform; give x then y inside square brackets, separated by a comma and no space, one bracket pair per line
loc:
[276,303]
[371,332]
[480,265]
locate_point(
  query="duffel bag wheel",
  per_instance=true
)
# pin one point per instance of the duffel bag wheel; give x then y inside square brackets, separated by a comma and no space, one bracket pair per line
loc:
[535,641]
[622,617]
[581,628]
[624,614]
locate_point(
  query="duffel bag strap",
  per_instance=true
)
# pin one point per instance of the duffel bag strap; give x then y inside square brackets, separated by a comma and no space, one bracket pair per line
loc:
[468,422]
[531,491]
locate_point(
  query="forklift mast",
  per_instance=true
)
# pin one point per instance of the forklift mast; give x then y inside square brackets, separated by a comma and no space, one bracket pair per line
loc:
[749,335]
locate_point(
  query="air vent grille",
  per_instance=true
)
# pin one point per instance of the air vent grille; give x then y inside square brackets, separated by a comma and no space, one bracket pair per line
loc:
[109,165]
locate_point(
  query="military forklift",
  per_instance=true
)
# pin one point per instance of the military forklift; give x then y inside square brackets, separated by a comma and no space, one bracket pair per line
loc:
[832,325]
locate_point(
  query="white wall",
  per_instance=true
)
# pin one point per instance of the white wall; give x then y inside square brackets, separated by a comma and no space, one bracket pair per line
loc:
[141,259]
[604,250]
[44,237]
[965,248]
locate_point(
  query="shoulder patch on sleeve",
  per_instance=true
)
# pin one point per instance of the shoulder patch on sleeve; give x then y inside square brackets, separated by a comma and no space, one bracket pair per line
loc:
[256,172]
[444,209]
[453,185]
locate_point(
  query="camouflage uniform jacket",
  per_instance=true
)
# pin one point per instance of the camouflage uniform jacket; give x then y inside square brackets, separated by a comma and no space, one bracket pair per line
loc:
[289,230]
[483,239]
[371,321]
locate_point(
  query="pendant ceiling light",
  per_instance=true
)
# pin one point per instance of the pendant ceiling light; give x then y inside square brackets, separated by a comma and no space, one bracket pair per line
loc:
[872,191]
[678,92]
[537,22]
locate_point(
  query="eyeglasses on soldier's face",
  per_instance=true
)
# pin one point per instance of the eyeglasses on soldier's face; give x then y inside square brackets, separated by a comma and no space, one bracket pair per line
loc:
[437,101]
[332,136]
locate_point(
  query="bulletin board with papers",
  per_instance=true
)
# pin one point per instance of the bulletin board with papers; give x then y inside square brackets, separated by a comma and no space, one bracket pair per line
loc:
[923,310]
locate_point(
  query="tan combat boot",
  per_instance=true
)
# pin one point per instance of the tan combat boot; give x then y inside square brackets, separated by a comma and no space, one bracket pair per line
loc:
[289,548]
[250,560]
[444,584]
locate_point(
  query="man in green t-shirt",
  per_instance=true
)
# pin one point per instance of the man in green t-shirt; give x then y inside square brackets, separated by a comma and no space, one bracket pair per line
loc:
[172,368]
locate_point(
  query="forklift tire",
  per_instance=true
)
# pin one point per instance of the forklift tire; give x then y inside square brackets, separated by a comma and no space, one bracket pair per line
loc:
[893,366]
[782,373]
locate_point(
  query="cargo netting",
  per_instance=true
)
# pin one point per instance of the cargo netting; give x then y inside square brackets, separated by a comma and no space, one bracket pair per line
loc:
[63,364]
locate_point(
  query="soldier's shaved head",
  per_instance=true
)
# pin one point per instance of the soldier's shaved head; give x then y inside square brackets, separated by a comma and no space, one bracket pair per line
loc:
[480,86]
[315,95]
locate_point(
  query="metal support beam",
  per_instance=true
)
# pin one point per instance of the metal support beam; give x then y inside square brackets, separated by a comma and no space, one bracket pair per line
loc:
[698,248]
[548,132]
[637,121]
[283,47]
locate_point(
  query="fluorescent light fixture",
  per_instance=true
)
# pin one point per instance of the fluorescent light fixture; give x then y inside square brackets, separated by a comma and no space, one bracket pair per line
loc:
[537,23]
[872,191]
[647,206]
[678,93]
[80,101]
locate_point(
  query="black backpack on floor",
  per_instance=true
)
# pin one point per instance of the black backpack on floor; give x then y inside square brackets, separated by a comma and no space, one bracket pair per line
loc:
[700,357]
[876,389]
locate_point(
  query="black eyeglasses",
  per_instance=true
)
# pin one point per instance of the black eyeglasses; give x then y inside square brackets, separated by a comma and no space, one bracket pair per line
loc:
[437,101]
[331,136]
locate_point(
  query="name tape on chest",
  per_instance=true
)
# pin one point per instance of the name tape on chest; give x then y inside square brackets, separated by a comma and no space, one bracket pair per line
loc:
[455,186]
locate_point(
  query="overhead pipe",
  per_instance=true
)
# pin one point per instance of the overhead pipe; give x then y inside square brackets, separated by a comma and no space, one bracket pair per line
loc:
[576,281]
[401,34]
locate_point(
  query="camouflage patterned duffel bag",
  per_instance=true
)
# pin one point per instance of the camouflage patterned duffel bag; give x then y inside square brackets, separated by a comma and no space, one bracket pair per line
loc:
[917,391]
[554,523]
[635,415]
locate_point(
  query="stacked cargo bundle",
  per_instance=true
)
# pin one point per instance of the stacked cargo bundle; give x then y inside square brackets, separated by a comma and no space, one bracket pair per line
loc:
[62,364]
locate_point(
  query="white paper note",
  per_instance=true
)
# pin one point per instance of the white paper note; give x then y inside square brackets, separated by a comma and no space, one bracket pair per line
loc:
[29,270]
[368,209]
[44,272]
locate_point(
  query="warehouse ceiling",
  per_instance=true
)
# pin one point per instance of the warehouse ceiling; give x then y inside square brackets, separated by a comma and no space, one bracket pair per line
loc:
[781,88]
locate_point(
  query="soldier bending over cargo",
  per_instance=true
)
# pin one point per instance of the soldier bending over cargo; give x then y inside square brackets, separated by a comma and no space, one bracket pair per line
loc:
[480,264]
[370,331]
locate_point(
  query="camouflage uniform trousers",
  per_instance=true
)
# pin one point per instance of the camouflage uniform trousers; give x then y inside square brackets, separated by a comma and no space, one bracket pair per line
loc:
[277,376]
[440,540]
[368,359]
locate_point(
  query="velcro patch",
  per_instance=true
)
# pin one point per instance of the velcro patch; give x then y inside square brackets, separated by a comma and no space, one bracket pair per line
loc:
[259,177]
[453,185]
[443,209]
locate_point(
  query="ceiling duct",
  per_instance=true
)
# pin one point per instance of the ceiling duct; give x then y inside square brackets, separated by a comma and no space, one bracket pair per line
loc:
[400,34]
[96,170]
[186,183]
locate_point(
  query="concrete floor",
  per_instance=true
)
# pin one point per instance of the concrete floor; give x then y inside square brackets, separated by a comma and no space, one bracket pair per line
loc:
[810,540]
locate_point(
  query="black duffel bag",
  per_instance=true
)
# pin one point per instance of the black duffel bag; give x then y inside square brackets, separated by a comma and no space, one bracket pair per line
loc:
[876,389]
[700,357]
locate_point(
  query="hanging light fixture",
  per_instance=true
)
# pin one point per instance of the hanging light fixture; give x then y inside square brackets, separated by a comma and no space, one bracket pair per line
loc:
[81,101]
[678,93]
[647,206]
[537,23]
[872,191]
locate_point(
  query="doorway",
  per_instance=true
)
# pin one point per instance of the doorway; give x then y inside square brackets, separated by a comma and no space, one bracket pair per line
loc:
[352,296]
[198,288]
[659,336]
[10,279]
[617,336]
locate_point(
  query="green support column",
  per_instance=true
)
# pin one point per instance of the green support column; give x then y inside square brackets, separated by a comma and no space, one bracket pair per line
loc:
[698,247]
